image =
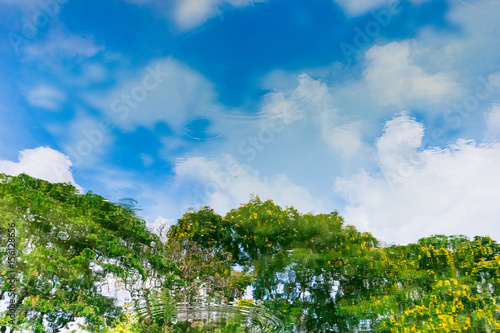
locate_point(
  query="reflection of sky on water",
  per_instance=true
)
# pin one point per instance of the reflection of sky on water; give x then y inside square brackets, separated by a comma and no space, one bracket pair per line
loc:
[384,110]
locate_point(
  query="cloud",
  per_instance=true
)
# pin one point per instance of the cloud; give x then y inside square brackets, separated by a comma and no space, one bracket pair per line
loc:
[192,13]
[42,162]
[359,7]
[189,14]
[431,72]
[61,44]
[388,79]
[226,184]
[94,72]
[402,137]
[393,78]
[478,46]
[147,160]
[345,138]
[164,91]
[312,101]
[471,50]
[46,97]
[305,100]
[419,192]
[493,121]
[85,138]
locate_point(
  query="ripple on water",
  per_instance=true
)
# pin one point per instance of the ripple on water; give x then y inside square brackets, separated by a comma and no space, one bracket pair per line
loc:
[257,319]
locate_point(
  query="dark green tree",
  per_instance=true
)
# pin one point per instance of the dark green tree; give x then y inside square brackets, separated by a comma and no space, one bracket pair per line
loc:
[67,246]
[296,261]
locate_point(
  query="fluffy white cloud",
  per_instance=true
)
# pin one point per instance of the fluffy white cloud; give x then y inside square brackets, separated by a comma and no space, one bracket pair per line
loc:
[345,138]
[189,14]
[402,137]
[226,184]
[42,162]
[419,192]
[390,80]
[359,7]
[46,96]
[308,99]
[470,53]
[311,100]
[342,136]
[478,46]
[165,91]
[192,13]
[393,78]
[493,121]
[62,44]
[85,138]
[431,72]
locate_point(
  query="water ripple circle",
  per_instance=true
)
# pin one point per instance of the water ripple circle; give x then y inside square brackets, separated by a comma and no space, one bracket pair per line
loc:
[257,319]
